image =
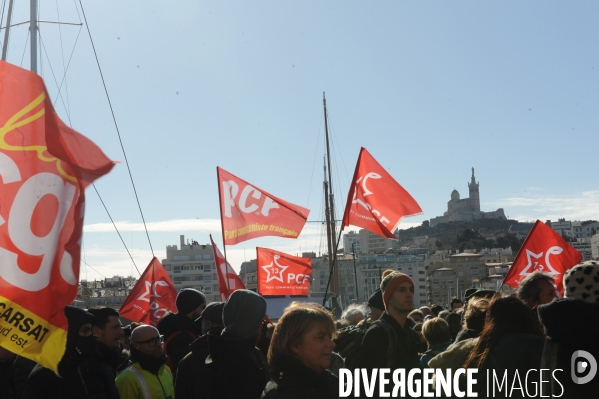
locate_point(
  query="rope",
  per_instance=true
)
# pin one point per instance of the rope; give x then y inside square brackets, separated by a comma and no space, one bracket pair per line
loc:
[116,126]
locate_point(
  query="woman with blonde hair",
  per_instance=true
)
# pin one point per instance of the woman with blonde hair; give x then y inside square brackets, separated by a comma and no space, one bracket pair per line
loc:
[300,355]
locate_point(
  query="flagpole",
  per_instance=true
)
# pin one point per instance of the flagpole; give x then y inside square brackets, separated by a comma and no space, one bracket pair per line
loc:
[222,229]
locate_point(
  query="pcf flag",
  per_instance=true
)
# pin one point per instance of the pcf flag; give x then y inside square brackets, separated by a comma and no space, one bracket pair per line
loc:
[44,167]
[152,296]
[375,200]
[248,212]
[282,274]
[546,251]
[228,280]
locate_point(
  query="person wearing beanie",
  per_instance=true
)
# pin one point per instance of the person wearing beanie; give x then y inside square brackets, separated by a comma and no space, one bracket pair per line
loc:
[571,327]
[235,368]
[179,329]
[390,342]
[81,343]
[187,385]
[376,305]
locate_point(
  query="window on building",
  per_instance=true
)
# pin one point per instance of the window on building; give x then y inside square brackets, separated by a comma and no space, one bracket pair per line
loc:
[181,257]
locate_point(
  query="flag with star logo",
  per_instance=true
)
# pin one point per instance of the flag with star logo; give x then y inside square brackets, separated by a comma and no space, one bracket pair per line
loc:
[45,167]
[152,296]
[282,274]
[546,251]
[248,212]
[228,280]
[376,202]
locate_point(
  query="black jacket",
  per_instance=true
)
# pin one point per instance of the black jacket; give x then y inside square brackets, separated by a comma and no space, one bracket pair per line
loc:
[44,383]
[376,343]
[238,359]
[179,332]
[21,369]
[570,325]
[293,380]
[99,371]
[189,383]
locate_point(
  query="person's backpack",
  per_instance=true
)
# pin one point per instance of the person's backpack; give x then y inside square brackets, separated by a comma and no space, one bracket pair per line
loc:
[349,343]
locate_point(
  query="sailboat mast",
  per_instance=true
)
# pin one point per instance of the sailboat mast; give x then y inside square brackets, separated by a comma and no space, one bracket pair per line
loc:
[330,208]
[33,34]
[7,31]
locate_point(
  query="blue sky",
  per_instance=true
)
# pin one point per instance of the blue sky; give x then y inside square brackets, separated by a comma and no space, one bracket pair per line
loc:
[431,89]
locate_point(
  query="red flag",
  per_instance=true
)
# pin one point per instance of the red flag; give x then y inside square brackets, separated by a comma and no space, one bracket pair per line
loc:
[376,201]
[546,251]
[248,212]
[44,169]
[282,274]
[228,280]
[152,296]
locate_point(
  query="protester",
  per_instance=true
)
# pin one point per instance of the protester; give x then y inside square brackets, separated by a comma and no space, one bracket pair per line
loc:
[44,383]
[511,340]
[179,329]
[474,319]
[389,343]
[21,368]
[436,334]
[454,322]
[571,326]
[300,354]
[353,314]
[435,310]
[455,304]
[416,315]
[6,361]
[188,385]
[147,377]
[233,352]
[426,311]
[99,370]
[376,305]
[537,289]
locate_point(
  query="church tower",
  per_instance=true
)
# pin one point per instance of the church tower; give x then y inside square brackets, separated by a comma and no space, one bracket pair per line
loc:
[474,196]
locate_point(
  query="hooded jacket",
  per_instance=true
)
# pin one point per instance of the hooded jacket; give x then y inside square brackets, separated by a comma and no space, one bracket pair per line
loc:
[570,325]
[179,332]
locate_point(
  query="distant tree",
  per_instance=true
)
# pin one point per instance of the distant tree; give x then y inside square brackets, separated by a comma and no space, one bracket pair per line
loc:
[426,223]
[439,244]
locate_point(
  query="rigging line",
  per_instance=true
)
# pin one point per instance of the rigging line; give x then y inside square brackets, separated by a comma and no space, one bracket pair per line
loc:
[2,19]
[87,264]
[77,8]
[116,126]
[23,56]
[53,75]
[66,86]
[314,162]
[68,65]
[117,230]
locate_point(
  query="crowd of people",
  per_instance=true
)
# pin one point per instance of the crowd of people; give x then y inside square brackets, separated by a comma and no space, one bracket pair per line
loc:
[232,350]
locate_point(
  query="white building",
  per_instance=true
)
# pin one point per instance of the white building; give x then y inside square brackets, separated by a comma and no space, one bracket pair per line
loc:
[192,266]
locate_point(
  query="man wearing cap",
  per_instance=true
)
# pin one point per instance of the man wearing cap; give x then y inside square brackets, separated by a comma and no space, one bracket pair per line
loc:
[402,352]
[187,383]
[179,329]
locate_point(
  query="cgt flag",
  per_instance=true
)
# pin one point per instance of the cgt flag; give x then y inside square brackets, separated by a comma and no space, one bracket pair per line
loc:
[282,274]
[248,212]
[44,168]
[376,201]
[228,280]
[152,296]
[546,251]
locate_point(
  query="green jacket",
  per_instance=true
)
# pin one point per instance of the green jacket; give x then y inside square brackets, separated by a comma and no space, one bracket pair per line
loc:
[136,383]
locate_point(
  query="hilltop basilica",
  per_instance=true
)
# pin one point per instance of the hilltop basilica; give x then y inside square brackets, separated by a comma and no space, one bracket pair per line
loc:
[466,209]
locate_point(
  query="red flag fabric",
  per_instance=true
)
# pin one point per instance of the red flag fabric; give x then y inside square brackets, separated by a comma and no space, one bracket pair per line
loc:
[546,251]
[44,168]
[153,295]
[228,280]
[376,202]
[282,274]
[248,212]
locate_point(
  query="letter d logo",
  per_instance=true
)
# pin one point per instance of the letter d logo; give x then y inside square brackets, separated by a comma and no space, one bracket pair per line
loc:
[589,364]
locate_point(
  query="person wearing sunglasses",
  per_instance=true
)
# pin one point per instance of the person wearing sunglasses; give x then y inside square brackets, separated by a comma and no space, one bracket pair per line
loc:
[147,376]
